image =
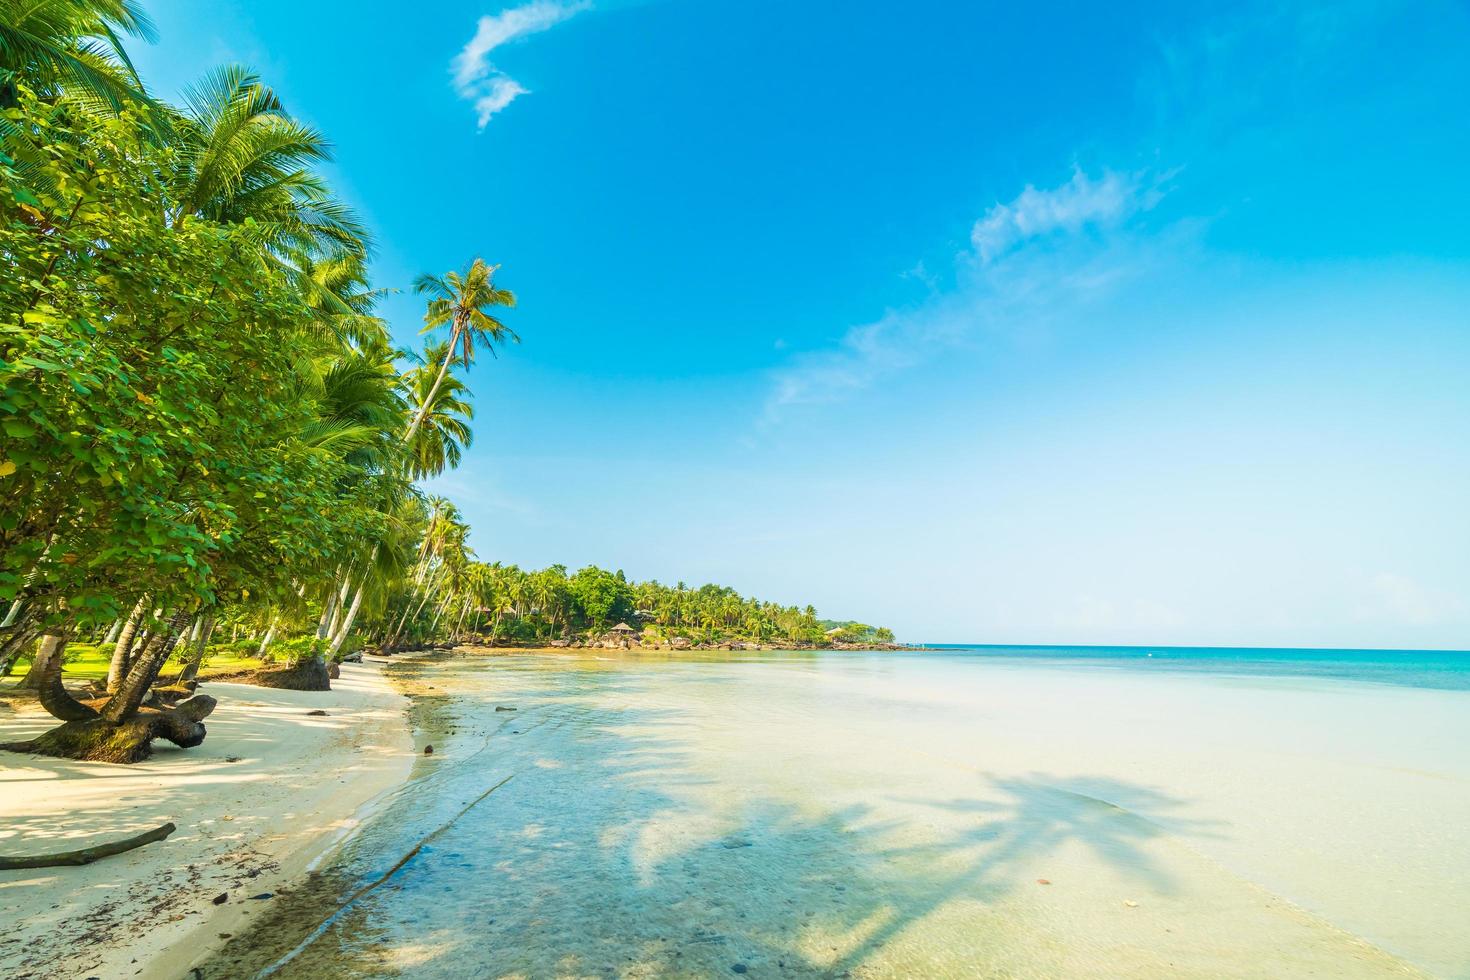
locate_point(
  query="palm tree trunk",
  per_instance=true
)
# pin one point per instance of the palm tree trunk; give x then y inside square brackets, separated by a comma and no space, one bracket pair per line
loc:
[346,628]
[48,656]
[341,607]
[123,645]
[47,672]
[418,417]
[15,645]
[144,670]
[329,607]
[201,643]
[270,634]
[462,613]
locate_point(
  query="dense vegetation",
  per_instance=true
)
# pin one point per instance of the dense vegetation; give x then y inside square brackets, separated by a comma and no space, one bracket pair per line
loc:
[208,440]
[502,603]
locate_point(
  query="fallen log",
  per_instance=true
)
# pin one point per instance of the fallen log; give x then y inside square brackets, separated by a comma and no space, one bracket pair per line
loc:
[86,855]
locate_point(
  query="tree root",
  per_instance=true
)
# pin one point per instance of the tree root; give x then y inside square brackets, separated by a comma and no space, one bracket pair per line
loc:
[98,740]
[310,674]
[86,855]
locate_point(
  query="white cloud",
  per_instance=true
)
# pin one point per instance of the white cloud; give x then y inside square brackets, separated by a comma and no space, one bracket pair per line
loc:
[1041,259]
[476,79]
[1069,208]
[496,94]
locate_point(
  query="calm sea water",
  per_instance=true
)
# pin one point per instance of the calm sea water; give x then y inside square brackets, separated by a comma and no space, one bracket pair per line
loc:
[965,811]
[1437,669]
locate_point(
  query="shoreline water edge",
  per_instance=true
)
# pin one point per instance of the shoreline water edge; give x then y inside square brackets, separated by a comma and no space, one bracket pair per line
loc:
[283,778]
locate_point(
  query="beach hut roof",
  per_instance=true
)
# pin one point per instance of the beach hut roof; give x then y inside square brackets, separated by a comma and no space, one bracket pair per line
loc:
[623,628]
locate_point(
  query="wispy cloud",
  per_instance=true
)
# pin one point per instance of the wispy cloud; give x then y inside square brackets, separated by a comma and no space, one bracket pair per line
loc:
[1067,209]
[1038,258]
[476,79]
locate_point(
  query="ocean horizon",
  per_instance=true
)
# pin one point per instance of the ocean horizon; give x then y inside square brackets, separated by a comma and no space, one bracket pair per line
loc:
[1433,669]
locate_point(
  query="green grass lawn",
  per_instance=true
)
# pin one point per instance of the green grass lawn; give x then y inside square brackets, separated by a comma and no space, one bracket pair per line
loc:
[86,661]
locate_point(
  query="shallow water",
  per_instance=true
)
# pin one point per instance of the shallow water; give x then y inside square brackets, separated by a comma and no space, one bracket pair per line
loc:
[898,815]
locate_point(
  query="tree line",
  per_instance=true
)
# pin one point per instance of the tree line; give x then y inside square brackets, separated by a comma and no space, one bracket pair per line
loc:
[496,603]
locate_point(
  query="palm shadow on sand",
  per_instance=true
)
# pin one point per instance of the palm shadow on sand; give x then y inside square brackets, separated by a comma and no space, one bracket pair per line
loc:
[595,860]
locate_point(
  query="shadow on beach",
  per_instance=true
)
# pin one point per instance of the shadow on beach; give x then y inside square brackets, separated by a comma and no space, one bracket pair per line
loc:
[614,850]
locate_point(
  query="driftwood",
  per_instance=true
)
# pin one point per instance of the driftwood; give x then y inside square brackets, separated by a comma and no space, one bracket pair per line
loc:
[87,854]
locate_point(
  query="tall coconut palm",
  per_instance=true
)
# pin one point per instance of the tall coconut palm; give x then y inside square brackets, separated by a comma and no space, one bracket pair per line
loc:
[461,300]
[444,418]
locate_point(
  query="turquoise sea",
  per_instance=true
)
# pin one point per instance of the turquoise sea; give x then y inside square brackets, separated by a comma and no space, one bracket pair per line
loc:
[1437,669]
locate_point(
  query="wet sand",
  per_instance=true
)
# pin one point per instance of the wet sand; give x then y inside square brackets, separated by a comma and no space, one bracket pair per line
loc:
[894,816]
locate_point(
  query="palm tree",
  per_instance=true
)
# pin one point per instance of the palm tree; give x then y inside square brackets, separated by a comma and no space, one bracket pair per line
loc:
[444,429]
[335,287]
[461,300]
[71,46]
[359,407]
[243,157]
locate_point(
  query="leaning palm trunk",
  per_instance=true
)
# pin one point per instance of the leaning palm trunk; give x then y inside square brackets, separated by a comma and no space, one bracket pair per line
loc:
[270,634]
[329,607]
[144,670]
[123,730]
[463,612]
[46,672]
[123,646]
[418,417]
[346,627]
[47,655]
[196,655]
[340,608]
[15,643]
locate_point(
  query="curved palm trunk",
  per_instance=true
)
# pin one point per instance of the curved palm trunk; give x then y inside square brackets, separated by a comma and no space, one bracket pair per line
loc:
[201,643]
[340,609]
[47,673]
[15,643]
[325,621]
[418,418]
[123,646]
[464,611]
[346,628]
[120,732]
[270,634]
[144,671]
[47,656]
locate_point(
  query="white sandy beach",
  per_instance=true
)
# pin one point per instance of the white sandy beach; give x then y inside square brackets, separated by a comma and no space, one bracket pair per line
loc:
[271,789]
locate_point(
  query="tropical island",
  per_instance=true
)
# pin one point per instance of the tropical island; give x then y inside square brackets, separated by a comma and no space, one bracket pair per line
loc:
[270,708]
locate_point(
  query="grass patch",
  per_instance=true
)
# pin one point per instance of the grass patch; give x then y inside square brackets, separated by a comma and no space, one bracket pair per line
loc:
[88,661]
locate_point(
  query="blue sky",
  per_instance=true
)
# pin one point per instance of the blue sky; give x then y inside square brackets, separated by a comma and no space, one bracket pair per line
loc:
[1142,324]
